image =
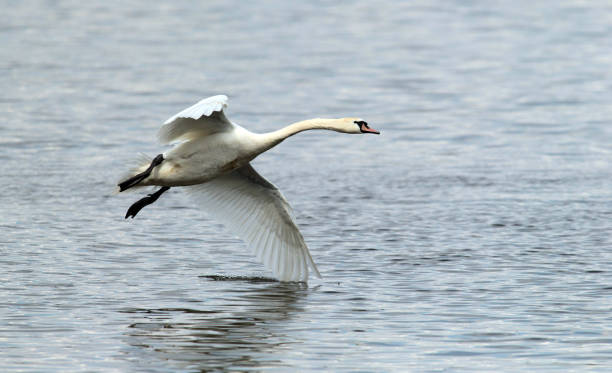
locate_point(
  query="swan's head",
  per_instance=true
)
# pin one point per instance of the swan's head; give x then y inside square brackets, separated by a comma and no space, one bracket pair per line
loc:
[355,125]
[364,128]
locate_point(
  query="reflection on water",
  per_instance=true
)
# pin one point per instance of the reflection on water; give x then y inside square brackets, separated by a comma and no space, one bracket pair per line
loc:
[244,324]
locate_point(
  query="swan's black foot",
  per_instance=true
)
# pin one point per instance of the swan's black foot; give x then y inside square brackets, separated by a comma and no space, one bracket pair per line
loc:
[132,181]
[149,199]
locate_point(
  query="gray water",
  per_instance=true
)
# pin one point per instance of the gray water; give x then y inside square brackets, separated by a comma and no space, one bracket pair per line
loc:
[472,235]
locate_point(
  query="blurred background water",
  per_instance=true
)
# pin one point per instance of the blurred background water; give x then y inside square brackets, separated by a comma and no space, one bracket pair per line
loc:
[472,235]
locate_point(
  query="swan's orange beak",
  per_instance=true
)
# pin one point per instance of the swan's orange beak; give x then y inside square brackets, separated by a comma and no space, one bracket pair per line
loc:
[370,130]
[364,128]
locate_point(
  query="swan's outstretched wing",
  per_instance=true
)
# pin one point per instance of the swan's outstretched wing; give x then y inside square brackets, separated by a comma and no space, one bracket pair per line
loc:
[256,211]
[204,118]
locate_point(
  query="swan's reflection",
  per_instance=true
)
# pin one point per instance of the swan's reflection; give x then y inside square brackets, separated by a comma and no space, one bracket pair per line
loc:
[241,324]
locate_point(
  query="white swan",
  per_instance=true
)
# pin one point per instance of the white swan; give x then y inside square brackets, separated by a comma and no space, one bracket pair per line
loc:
[212,160]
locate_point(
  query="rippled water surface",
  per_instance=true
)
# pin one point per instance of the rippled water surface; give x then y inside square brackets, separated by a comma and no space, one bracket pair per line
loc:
[472,235]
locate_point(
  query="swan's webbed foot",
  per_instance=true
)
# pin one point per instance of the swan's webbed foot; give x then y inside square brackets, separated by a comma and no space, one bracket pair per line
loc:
[149,199]
[132,181]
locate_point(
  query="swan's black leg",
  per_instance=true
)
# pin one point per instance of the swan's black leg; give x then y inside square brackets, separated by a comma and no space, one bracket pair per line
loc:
[149,199]
[141,176]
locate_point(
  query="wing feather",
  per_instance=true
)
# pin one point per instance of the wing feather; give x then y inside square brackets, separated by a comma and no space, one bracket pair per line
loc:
[265,249]
[257,212]
[202,119]
[295,266]
[268,250]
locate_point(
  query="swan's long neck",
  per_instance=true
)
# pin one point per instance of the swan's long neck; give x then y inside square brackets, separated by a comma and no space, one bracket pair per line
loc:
[273,138]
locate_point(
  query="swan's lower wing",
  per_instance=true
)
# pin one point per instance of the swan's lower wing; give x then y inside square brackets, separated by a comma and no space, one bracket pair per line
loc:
[202,119]
[257,212]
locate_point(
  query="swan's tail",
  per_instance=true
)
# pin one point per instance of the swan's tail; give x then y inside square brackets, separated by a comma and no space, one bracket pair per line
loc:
[142,163]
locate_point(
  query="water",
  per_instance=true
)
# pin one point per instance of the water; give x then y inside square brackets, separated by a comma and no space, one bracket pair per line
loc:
[472,235]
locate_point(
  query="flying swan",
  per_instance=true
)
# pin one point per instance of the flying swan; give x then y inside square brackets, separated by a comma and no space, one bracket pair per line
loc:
[211,159]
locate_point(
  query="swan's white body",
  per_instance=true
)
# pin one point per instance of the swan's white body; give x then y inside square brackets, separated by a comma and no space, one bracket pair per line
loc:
[212,160]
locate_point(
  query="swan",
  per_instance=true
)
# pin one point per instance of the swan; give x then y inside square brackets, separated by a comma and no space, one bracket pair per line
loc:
[211,159]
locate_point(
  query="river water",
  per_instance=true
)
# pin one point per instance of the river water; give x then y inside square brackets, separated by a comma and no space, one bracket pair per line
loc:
[473,234]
